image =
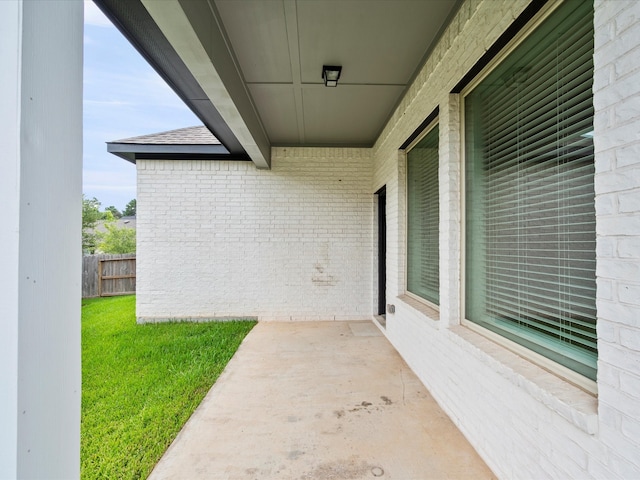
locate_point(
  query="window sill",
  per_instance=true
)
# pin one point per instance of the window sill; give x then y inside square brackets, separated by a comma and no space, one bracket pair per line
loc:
[422,308]
[570,402]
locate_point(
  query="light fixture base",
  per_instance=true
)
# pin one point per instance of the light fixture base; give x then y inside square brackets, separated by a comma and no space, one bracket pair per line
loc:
[331,75]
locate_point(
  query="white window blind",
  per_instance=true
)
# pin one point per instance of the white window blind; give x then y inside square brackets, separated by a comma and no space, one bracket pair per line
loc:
[530,218]
[423,218]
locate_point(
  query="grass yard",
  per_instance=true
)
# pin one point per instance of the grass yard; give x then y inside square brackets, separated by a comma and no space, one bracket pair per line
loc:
[140,383]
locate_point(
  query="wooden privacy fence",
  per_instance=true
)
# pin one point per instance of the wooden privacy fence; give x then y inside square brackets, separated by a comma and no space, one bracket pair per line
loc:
[108,275]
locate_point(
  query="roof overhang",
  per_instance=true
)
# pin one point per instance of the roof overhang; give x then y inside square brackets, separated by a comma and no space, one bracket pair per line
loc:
[251,69]
[163,41]
[133,152]
[196,34]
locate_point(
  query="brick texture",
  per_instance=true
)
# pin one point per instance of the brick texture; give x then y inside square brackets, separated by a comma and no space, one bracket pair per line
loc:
[224,239]
[221,239]
[617,143]
[524,421]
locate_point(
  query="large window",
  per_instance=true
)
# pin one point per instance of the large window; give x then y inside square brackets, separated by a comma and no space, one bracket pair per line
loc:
[423,218]
[530,218]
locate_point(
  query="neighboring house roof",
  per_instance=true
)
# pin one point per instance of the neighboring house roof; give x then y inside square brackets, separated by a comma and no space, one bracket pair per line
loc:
[190,143]
[122,222]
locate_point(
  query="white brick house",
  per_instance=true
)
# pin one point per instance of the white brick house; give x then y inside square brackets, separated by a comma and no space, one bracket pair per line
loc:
[300,241]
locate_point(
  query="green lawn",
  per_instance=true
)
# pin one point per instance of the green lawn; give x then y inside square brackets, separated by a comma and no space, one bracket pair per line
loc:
[140,383]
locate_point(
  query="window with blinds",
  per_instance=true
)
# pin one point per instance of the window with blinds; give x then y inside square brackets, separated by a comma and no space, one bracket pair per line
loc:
[423,217]
[530,217]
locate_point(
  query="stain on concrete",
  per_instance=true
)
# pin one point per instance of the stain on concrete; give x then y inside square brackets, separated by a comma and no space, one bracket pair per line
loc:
[252,440]
[377,471]
[337,431]
[365,406]
[347,469]
[295,454]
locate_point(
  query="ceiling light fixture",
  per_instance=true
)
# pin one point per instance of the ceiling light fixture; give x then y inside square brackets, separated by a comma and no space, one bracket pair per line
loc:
[330,75]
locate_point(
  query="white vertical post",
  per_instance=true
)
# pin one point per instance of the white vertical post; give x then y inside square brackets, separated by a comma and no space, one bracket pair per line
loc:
[40,242]
[9,235]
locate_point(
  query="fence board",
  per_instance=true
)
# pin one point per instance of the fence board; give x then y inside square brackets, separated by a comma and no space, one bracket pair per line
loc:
[108,275]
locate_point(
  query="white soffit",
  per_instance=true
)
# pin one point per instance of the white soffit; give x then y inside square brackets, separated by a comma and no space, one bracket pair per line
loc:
[260,62]
[281,46]
[194,33]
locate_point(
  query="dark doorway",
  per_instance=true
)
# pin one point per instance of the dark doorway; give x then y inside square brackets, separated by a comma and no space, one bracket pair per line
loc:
[382,249]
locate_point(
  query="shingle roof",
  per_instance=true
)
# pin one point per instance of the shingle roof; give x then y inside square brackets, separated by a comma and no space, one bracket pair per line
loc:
[190,143]
[182,136]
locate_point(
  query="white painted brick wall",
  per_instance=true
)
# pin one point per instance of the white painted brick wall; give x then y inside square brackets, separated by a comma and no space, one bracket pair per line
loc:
[525,422]
[224,239]
[617,143]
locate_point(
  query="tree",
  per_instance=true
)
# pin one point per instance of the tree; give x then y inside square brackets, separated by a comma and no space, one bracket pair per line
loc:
[130,209]
[117,239]
[114,211]
[90,216]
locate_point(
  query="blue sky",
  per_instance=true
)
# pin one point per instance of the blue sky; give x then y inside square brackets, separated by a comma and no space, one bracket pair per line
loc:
[123,97]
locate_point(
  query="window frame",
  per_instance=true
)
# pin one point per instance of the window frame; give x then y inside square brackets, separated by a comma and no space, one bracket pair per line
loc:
[425,131]
[573,377]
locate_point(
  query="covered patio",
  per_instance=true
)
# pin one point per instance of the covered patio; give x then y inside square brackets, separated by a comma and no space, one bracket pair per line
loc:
[319,400]
[303,222]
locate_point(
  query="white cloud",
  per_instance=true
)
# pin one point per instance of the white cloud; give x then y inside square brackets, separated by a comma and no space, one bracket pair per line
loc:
[108,103]
[141,86]
[94,16]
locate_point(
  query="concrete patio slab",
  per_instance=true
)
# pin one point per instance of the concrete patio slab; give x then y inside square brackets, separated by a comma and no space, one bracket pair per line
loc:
[319,400]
